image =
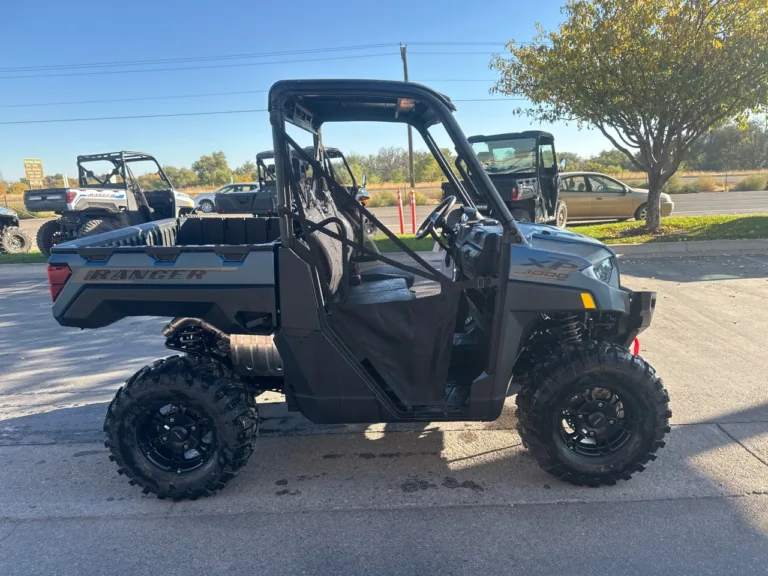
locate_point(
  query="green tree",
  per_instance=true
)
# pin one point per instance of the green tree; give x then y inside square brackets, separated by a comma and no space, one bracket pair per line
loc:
[653,76]
[247,170]
[572,161]
[212,169]
[180,177]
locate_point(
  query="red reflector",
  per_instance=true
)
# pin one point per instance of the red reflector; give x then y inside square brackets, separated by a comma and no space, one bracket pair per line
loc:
[71,194]
[58,276]
[514,193]
[636,346]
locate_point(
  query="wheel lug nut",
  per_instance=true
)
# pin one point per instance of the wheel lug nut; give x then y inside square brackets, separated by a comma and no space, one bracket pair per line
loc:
[172,420]
[186,446]
[611,422]
[581,417]
[165,438]
[591,433]
[193,428]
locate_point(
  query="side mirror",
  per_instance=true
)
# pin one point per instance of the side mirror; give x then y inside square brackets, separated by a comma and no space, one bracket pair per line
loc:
[363,181]
[563,162]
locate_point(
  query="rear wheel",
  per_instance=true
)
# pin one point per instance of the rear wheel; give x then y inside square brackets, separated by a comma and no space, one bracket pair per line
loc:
[561,214]
[181,428]
[595,415]
[207,206]
[48,235]
[14,240]
[522,216]
[97,226]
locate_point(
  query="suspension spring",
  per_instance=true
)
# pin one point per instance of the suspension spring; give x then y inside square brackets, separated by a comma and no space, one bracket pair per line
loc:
[568,328]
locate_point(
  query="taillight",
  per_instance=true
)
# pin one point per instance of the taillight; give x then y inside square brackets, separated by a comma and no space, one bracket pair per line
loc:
[636,346]
[71,195]
[363,201]
[58,276]
[515,193]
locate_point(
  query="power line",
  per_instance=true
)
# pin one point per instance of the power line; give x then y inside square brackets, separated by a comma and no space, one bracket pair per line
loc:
[196,58]
[209,58]
[56,120]
[133,99]
[104,72]
[51,121]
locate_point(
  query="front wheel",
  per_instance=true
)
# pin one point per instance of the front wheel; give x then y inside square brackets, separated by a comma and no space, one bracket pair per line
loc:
[595,415]
[14,240]
[642,212]
[207,206]
[561,214]
[182,427]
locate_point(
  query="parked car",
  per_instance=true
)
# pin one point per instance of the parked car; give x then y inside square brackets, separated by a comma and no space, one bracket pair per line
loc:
[594,196]
[237,198]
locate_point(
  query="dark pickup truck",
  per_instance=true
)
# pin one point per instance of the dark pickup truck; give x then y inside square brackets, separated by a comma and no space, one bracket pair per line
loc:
[176,267]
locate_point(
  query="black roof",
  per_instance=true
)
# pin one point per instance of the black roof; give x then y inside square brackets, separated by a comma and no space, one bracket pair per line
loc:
[510,136]
[322,101]
[267,154]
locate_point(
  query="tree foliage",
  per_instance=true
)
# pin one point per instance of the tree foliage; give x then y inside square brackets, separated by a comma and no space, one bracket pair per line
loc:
[212,169]
[653,76]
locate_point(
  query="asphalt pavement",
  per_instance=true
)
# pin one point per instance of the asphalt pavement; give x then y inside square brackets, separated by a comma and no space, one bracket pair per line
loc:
[437,499]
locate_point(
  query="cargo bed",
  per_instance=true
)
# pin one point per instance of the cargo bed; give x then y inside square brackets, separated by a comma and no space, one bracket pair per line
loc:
[219,269]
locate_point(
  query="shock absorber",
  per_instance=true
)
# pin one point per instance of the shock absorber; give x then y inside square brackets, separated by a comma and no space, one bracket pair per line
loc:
[568,328]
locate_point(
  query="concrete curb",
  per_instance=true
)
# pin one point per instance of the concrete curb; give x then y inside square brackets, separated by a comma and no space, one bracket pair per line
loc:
[700,248]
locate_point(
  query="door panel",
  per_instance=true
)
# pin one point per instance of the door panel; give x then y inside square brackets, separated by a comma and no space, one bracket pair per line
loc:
[573,191]
[263,202]
[609,198]
[236,199]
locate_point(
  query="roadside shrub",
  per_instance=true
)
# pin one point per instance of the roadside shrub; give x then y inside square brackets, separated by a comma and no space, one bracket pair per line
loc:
[637,183]
[381,199]
[752,182]
[674,185]
[706,184]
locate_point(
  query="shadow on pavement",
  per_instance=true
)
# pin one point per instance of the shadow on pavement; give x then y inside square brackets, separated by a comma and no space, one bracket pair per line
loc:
[697,268]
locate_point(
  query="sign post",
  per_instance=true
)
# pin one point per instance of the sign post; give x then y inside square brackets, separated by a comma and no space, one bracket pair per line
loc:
[413,212]
[33,170]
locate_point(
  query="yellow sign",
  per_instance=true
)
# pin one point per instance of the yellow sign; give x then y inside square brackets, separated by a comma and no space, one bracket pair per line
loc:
[33,169]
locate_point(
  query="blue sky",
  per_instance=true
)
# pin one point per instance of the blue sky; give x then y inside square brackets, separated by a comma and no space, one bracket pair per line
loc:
[54,33]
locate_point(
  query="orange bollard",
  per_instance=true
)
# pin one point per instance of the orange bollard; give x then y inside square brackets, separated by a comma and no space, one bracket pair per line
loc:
[400,210]
[413,212]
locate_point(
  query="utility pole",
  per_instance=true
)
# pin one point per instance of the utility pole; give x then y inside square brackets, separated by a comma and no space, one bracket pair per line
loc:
[404,56]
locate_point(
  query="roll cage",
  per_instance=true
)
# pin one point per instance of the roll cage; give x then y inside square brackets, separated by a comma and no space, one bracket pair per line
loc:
[308,104]
[121,168]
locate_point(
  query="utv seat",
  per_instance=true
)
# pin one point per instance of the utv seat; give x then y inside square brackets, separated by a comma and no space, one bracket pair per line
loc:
[335,259]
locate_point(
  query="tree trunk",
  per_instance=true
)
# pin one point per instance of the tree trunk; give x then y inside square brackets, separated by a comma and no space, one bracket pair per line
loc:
[653,218]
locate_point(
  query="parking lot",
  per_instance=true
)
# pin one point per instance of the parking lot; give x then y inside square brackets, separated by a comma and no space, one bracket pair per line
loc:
[396,499]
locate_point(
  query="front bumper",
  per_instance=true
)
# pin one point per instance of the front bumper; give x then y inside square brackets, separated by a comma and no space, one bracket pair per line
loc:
[641,308]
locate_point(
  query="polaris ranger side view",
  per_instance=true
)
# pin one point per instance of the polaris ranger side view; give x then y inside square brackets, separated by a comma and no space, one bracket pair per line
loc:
[108,197]
[527,309]
[523,168]
[13,240]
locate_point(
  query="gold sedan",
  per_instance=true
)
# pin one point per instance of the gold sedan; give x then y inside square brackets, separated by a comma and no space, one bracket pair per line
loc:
[593,196]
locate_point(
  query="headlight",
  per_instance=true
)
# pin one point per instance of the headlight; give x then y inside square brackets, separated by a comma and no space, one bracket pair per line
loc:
[607,271]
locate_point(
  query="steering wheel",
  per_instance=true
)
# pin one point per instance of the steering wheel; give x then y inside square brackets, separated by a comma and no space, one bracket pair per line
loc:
[436,218]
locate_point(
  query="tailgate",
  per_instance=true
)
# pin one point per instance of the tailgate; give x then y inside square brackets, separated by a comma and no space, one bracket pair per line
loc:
[49,200]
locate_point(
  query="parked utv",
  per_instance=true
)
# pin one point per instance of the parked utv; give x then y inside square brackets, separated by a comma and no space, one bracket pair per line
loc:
[13,240]
[523,168]
[107,199]
[527,309]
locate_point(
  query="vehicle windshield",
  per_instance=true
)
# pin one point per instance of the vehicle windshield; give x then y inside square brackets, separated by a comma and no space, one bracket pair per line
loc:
[507,156]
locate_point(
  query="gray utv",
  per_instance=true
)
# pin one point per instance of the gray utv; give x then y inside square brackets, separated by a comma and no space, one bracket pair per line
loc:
[523,309]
